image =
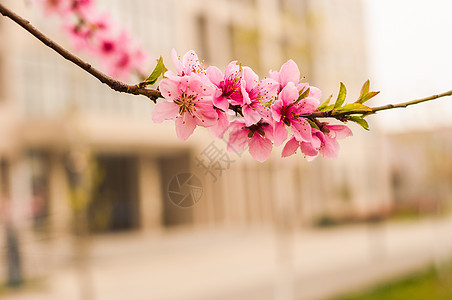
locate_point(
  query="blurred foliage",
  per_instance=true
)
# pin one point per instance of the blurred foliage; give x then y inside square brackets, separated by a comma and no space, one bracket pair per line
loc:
[430,284]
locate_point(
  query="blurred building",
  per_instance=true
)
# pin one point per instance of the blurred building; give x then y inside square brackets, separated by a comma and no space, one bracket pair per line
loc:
[57,121]
[421,172]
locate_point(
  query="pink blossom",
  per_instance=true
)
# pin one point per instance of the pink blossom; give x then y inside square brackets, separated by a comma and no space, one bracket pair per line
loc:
[187,65]
[323,141]
[227,86]
[58,7]
[257,97]
[288,110]
[330,147]
[190,104]
[219,129]
[120,55]
[83,7]
[258,137]
[78,35]
[93,31]
[289,72]
[309,149]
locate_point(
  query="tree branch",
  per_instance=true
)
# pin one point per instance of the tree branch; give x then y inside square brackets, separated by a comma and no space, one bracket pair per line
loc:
[111,82]
[405,104]
[338,115]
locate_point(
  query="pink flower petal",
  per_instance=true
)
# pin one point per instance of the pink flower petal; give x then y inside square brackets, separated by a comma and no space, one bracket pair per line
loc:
[218,130]
[302,86]
[251,79]
[193,85]
[308,105]
[276,109]
[289,94]
[274,75]
[279,133]
[232,69]
[206,115]
[301,130]
[165,110]
[245,95]
[330,148]
[316,142]
[185,125]
[290,148]
[289,73]
[250,115]
[238,139]
[308,149]
[268,130]
[267,89]
[339,131]
[260,148]
[315,92]
[169,89]
[214,74]
[220,101]
[176,61]
[190,63]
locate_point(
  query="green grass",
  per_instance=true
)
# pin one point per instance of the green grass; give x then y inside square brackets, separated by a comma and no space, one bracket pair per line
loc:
[425,285]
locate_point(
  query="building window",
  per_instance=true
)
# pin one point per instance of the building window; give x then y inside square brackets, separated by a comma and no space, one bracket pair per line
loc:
[39,164]
[114,205]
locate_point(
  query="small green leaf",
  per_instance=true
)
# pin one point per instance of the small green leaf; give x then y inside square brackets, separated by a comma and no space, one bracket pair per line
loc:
[341,96]
[325,104]
[364,89]
[354,106]
[303,94]
[326,108]
[158,70]
[360,121]
[368,96]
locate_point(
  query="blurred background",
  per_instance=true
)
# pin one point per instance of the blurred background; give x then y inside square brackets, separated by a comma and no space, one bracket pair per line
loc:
[89,207]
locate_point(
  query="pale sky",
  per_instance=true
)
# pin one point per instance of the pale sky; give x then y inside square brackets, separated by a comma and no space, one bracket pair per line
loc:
[410,57]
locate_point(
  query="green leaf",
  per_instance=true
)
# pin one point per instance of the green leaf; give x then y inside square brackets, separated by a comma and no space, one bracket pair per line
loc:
[326,108]
[368,96]
[303,94]
[341,96]
[360,121]
[158,70]
[353,106]
[364,89]
[365,95]
[325,104]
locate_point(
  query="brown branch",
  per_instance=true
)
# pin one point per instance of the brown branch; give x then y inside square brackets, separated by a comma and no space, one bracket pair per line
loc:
[338,114]
[111,82]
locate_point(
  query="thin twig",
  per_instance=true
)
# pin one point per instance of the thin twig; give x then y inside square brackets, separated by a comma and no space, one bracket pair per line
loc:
[337,114]
[405,104]
[111,82]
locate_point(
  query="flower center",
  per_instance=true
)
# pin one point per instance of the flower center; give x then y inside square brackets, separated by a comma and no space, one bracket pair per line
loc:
[186,103]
